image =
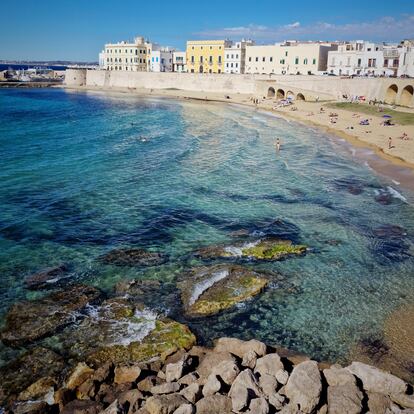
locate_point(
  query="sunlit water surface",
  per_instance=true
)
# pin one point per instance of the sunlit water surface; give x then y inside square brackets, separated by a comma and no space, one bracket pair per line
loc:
[84,173]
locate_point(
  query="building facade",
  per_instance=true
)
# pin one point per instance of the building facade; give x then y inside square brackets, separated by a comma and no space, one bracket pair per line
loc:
[130,56]
[206,56]
[364,59]
[179,62]
[235,57]
[293,58]
[406,63]
[161,60]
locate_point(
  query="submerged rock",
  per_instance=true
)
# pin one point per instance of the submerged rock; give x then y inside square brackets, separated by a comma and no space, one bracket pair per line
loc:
[165,337]
[266,249]
[30,367]
[216,288]
[28,321]
[45,278]
[133,257]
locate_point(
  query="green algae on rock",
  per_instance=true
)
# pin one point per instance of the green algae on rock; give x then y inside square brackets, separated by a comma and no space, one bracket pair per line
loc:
[216,288]
[273,249]
[166,337]
[262,249]
[133,257]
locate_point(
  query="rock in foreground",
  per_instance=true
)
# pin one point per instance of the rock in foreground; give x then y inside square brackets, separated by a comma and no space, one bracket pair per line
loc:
[133,257]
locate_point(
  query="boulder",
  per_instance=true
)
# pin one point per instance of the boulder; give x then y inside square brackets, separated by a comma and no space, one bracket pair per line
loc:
[214,404]
[404,400]
[188,379]
[185,409]
[78,375]
[212,386]
[336,375]
[87,390]
[173,372]
[276,400]
[133,257]
[269,364]
[213,289]
[127,373]
[63,396]
[211,360]
[240,348]
[192,393]
[258,406]
[147,383]
[227,371]
[29,321]
[82,407]
[114,408]
[32,365]
[45,278]
[346,398]
[166,388]
[376,380]
[378,403]
[164,404]
[33,407]
[268,384]
[244,388]
[43,390]
[304,386]
[282,376]
[249,359]
[130,399]
[167,335]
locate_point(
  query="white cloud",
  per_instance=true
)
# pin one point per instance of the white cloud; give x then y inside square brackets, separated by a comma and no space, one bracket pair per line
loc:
[387,28]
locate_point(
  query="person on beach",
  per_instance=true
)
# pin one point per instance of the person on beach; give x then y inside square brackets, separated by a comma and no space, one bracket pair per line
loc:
[390,143]
[277,144]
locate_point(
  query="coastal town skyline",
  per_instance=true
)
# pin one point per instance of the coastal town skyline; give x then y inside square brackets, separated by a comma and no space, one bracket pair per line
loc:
[266,23]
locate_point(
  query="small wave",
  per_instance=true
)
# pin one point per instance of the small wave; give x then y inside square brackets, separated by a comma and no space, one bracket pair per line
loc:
[206,284]
[237,251]
[353,152]
[396,182]
[396,194]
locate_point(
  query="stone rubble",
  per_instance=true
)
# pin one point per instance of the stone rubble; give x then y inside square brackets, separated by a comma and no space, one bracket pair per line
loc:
[234,377]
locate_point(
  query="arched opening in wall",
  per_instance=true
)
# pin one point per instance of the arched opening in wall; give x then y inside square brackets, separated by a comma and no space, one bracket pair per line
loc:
[407,96]
[290,94]
[271,92]
[300,97]
[280,94]
[391,94]
[201,69]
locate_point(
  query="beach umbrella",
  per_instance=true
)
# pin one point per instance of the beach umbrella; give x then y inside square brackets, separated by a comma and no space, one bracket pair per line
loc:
[387,116]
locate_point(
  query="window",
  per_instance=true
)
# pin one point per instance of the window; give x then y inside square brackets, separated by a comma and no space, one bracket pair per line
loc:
[201,59]
[227,65]
[228,56]
[219,60]
[237,56]
[156,59]
[271,59]
[131,51]
[232,65]
[162,60]
[232,56]
[257,59]
[263,59]
[192,70]
[282,61]
[286,53]
[136,51]
[237,65]
[314,62]
[152,59]
[305,61]
[386,63]
[297,61]
[192,59]
[211,60]
[250,58]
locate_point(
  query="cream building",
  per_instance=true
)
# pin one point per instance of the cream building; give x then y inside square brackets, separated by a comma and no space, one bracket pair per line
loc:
[296,58]
[235,57]
[132,56]
[179,62]
[206,56]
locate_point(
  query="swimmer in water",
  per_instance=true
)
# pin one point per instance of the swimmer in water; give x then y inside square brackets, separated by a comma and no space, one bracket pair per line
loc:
[277,144]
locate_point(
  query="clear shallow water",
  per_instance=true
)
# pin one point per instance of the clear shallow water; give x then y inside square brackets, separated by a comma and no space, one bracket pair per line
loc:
[84,173]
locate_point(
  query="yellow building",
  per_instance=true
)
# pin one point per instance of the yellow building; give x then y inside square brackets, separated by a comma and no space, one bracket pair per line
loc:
[206,56]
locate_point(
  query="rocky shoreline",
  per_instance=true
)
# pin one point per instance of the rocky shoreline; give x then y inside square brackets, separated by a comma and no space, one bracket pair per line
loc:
[233,377]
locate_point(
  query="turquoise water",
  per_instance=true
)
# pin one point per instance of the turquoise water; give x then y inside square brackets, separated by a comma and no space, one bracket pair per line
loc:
[84,173]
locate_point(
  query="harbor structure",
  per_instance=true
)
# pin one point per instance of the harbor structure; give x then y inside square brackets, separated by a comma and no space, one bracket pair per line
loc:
[124,55]
[235,57]
[206,56]
[288,58]
[179,61]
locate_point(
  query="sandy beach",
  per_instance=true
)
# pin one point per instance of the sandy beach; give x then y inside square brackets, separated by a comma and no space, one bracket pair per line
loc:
[374,136]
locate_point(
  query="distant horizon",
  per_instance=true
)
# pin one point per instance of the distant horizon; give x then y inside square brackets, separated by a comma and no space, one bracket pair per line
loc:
[79,30]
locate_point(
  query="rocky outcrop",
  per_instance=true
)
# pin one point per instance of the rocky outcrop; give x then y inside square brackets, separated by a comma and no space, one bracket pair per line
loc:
[209,290]
[133,257]
[210,381]
[29,321]
[262,249]
[46,278]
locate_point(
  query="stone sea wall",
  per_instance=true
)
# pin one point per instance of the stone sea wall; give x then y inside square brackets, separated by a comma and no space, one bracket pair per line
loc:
[399,91]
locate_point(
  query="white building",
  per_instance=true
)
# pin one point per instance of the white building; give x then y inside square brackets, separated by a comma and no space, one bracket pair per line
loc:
[124,55]
[235,57]
[406,60]
[291,57]
[179,62]
[364,59]
[161,60]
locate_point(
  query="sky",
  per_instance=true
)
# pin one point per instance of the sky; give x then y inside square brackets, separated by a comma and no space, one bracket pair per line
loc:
[77,29]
